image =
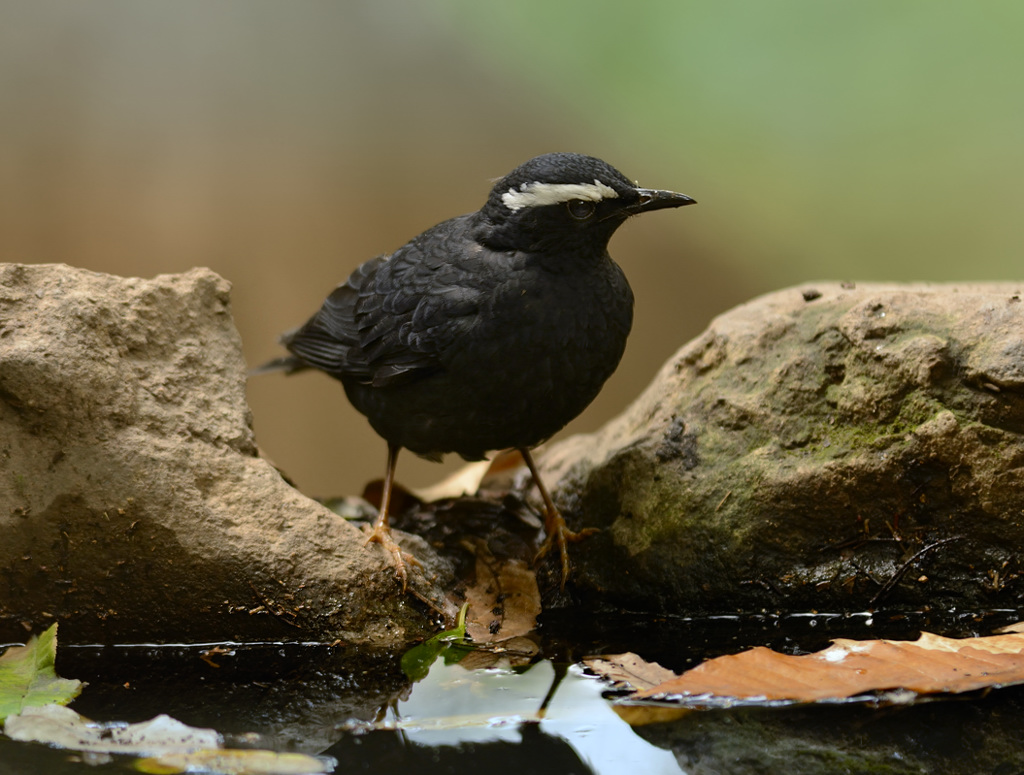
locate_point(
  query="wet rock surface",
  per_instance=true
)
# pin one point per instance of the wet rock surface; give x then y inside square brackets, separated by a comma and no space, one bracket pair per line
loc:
[133,502]
[825,447]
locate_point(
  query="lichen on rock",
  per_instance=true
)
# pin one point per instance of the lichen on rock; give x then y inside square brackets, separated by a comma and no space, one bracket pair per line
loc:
[821,447]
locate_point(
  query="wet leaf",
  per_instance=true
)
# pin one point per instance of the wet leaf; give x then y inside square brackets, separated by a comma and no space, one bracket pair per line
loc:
[237,762]
[28,678]
[64,728]
[851,669]
[416,661]
[629,671]
[171,746]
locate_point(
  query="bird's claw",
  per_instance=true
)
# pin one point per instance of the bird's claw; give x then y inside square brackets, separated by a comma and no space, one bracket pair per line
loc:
[558,533]
[381,534]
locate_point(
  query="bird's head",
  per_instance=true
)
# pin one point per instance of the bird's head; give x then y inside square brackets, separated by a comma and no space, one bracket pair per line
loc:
[565,201]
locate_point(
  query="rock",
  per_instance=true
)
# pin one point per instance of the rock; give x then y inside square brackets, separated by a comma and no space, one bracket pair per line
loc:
[820,448]
[133,502]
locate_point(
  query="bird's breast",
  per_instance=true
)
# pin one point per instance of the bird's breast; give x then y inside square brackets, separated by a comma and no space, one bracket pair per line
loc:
[546,342]
[531,356]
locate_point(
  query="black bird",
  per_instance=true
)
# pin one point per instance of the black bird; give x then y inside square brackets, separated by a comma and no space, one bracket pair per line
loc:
[488,331]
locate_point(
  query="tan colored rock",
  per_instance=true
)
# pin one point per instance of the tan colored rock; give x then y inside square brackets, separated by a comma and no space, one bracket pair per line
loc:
[133,503]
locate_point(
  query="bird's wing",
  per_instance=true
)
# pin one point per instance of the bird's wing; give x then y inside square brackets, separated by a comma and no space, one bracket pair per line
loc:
[327,340]
[416,306]
[393,319]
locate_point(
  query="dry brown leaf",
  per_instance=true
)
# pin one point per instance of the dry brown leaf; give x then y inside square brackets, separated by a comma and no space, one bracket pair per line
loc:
[629,671]
[504,602]
[931,664]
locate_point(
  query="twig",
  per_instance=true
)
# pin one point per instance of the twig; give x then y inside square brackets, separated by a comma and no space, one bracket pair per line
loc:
[856,542]
[895,578]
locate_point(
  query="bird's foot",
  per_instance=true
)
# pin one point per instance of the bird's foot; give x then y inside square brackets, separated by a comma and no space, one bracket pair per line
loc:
[381,534]
[558,533]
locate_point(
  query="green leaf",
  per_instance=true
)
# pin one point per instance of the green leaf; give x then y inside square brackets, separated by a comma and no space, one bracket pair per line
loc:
[416,661]
[28,678]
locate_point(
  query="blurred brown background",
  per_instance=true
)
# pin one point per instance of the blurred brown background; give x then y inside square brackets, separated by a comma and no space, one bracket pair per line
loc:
[282,144]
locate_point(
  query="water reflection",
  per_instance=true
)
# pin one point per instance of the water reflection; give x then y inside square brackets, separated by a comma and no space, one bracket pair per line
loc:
[452,705]
[457,707]
[579,715]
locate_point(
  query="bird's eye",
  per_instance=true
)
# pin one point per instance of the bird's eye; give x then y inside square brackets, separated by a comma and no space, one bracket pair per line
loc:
[580,209]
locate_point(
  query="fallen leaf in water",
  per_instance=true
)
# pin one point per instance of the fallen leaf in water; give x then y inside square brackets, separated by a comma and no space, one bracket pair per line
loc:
[237,762]
[628,671]
[847,669]
[172,747]
[28,678]
[64,728]
[416,661]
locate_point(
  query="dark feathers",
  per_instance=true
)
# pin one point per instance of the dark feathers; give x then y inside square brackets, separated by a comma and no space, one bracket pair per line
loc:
[493,329]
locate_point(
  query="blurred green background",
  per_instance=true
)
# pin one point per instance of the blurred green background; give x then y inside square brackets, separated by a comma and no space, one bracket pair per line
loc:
[283,143]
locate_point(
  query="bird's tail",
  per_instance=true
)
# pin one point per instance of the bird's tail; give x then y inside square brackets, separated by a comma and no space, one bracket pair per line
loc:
[289,364]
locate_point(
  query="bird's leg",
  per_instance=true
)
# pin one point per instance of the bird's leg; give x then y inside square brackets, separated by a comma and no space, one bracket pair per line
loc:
[381,531]
[554,525]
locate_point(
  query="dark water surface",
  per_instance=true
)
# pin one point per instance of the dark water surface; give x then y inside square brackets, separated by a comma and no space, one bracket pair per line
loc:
[547,717]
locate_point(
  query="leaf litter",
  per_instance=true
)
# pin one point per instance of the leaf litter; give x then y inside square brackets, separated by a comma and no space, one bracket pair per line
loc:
[500,612]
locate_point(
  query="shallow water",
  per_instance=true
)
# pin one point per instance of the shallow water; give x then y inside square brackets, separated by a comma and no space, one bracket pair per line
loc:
[547,717]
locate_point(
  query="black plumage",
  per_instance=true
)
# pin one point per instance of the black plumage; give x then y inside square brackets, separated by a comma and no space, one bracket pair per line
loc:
[491,330]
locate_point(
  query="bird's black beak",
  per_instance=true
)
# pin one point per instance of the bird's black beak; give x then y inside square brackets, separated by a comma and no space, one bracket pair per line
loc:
[652,199]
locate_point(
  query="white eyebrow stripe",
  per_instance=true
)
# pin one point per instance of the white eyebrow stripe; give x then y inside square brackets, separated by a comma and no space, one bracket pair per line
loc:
[541,194]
